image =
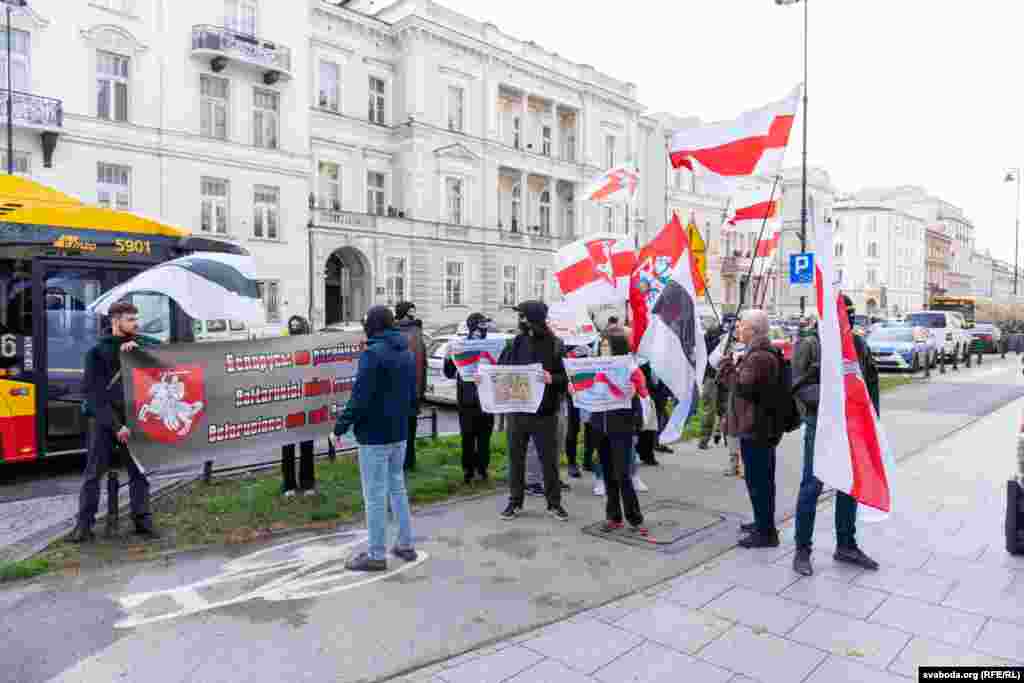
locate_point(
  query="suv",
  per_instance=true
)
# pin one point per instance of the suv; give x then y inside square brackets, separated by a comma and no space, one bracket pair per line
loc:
[948,330]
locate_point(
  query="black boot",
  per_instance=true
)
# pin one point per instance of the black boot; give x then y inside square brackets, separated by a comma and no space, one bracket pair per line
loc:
[802,562]
[703,444]
[82,534]
[144,527]
[760,540]
[855,556]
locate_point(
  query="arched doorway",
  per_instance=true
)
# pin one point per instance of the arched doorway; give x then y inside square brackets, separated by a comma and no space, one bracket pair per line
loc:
[347,286]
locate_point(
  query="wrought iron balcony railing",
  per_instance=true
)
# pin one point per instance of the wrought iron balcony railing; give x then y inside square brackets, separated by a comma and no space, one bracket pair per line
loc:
[223,43]
[32,111]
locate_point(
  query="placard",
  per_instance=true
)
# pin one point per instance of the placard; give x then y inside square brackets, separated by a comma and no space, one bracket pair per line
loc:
[511,388]
[601,384]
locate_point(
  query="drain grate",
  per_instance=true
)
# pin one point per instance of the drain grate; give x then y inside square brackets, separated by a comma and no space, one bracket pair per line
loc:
[668,522]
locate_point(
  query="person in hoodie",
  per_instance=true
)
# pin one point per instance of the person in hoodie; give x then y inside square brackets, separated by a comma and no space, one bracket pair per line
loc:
[536,343]
[104,403]
[475,426]
[412,328]
[383,398]
[615,430]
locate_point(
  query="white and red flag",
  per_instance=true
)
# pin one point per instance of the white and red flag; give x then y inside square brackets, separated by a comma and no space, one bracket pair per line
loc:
[752,144]
[615,186]
[851,452]
[595,270]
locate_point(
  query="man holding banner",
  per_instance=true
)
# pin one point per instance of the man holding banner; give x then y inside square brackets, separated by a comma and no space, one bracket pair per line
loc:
[475,426]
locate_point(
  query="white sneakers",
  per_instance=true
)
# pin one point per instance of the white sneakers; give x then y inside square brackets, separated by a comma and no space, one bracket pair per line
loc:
[599,489]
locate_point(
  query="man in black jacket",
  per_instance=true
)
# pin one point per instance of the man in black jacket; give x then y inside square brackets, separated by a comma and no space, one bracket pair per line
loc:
[807,381]
[104,396]
[536,344]
[412,329]
[475,425]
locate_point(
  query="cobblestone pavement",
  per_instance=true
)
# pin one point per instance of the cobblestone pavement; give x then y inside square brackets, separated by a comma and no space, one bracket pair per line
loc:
[947,594]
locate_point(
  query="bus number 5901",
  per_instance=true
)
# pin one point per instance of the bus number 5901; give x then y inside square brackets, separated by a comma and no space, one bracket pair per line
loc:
[133,247]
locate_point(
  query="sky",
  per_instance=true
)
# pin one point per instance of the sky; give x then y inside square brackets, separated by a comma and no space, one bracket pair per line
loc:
[901,92]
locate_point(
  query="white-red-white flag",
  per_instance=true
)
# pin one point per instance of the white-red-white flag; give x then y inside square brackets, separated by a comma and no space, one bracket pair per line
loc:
[615,186]
[595,270]
[851,452]
[752,144]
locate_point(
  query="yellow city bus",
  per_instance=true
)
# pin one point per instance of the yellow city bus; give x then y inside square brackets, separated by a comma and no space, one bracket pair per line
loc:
[57,255]
[964,305]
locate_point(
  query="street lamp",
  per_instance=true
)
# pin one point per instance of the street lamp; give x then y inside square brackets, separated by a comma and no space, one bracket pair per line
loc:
[1014,175]
[8,4]
[803,180]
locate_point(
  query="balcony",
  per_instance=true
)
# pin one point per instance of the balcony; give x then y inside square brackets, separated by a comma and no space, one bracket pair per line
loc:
[221,45]
[336,218]
[35,112]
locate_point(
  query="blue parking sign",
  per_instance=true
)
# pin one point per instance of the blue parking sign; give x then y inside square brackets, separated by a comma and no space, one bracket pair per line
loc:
[801,269]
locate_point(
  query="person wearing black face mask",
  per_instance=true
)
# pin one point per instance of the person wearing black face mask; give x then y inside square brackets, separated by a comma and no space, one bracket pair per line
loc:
[536,344]
[412,329]
[307,471]
[475,426]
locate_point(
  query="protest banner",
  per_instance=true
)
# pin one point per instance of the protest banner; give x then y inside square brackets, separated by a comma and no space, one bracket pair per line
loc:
[188,403]
[511,388]
[571,324]
[601,384]
[469,354]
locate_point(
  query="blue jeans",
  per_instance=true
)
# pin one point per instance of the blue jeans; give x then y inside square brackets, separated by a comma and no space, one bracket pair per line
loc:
[380,469]
[807,500]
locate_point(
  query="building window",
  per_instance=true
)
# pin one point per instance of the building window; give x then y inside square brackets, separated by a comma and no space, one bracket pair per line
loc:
[456,102]
[213,107]
[545,141]
[329,175]
[111,86]
[839,275]
[22,163]
[839,249]
[453,192]
[375,193]
[214,208]
[873,250]
[113,186]
[569,229]
[20,60]
[540,282]
[872,276]
[609,151]
[395,279]
[264,118]
[330,83]
[609,219]
[517,129]
[454,272]
[545,212]
[376,100]
[266,214]
[240,16]
[517,205]
[270,295]
[510,285]
[569,147]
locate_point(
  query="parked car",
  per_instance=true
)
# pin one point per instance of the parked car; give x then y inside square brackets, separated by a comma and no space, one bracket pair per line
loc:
[899,348]
[948,330]
[990,336]
[440,389]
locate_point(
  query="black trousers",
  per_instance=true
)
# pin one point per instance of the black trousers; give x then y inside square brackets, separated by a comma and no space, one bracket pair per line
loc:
[759,473]
[616,459]
[645,442]
[410,445]
[102,445]
[520,428]
[307,472]
[660,395]
[572,435]
[476,429]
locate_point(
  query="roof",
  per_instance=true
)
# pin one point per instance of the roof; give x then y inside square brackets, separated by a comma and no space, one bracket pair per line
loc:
[26,201]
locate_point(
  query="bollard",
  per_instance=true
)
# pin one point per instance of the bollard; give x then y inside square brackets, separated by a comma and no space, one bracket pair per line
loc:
[956,360]
[332,453]
[967,357]
[942,361]
[112,504]
[208,472]
[979,356]
[927,367]
[433,424]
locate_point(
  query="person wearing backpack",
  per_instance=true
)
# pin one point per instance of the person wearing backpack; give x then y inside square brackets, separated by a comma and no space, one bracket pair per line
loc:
[806,391]
[753,420]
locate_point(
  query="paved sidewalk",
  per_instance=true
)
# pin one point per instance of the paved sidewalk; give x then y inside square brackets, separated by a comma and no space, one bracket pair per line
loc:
[947,594]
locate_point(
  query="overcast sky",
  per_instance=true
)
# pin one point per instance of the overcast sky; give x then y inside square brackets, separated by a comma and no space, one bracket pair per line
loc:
[916,92]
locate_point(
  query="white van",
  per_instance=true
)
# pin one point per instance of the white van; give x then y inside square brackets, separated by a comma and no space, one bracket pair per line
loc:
[948,330]
[219,330]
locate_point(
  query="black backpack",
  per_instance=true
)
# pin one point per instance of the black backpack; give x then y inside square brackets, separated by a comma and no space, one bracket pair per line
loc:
[787,415]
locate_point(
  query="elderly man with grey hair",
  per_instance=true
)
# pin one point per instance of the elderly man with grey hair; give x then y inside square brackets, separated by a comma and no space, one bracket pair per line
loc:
[753,382]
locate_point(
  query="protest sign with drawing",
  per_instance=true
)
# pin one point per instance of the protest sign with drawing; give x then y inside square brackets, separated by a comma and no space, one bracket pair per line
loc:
[469,354]
[511,388]
[601,384]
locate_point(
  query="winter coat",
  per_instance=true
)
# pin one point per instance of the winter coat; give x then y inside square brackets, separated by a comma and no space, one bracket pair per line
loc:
[752,383]
[384,396]
[547,350]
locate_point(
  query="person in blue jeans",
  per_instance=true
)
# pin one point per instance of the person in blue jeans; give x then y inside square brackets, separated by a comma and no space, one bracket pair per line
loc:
[386,377]
[806,384]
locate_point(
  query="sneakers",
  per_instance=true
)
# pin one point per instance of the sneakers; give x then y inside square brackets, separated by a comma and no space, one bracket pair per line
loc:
[309,493]
[288,493]
[802,562]
[82,534]
[639,485]
[749,527]
[703,444]
[558,512]
[564,486]
[610,526]
[407,554]
[759,540]
[535,490]
[574,472]
[663,449]
[599,489]
[364,563]
[511,511]
[639,530]
[855,556]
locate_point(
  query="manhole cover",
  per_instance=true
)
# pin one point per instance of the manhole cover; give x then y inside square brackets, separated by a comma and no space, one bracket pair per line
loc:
[667,521]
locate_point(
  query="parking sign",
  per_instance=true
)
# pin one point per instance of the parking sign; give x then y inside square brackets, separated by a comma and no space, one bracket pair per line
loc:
[801,272]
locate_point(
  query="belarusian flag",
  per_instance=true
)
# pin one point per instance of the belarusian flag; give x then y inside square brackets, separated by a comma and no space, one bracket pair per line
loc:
[616,185]
[587,380]
[595,270]
[469,358]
